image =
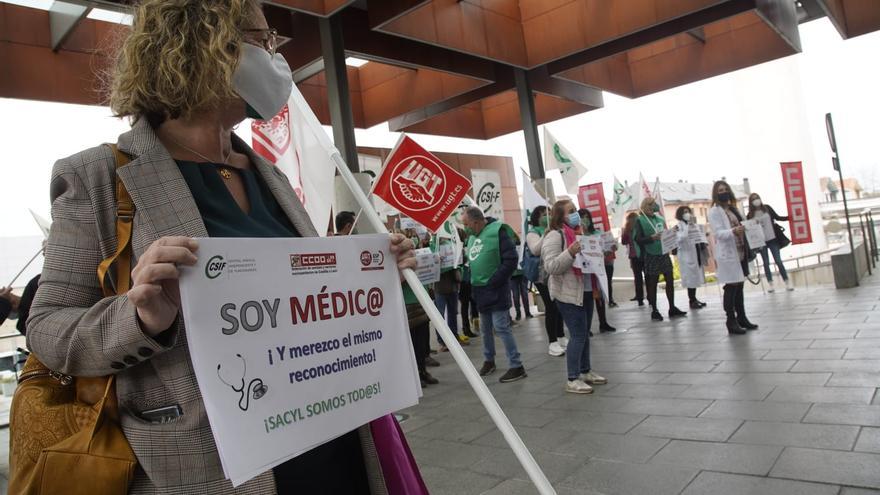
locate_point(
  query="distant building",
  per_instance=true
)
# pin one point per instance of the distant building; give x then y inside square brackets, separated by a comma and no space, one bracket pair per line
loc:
[696,195]
[831,189]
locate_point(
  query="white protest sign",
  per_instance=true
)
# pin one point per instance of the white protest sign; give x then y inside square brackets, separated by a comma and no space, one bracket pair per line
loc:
[697,234]
[608,241]
[409,223]
[295,342]
[446,251]
[487,192]
[591,245]
[754,234]
[668,240]
[593,265]
[427,266]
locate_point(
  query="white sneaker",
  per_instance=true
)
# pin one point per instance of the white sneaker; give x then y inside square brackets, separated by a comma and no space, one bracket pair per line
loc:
[770,287]
[593,378]
[563,341]
[556,349]
[578,387]
[788,285]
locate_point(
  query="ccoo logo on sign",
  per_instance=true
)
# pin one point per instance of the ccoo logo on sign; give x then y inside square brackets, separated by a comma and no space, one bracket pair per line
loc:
[214,267]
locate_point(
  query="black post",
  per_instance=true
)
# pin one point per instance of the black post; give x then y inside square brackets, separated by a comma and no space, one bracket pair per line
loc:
[829,128]
[333,48]
[529,123]
[866,243]
[873,236]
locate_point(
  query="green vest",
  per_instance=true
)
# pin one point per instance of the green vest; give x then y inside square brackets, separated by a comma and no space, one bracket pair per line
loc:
[651,226]
[483,253]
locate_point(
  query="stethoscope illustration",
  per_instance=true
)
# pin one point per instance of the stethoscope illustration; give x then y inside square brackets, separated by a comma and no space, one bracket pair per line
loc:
[256,387]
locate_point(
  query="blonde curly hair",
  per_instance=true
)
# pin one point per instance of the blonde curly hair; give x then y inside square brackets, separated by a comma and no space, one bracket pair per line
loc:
[178,58]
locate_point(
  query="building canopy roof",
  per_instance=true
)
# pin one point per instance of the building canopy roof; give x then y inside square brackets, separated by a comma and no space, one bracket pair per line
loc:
[449,67]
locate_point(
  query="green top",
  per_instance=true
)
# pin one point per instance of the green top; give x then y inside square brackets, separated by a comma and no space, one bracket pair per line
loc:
[650,226]
[222,215]
[538,230]
[484,253]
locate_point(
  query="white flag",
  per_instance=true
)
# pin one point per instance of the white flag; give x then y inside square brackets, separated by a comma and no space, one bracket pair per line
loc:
[622,202]
[658,198]
[289,142]
[557,157]
[531,198]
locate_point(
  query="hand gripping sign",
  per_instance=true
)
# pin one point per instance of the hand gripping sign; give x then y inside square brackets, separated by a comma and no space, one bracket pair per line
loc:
[420,185]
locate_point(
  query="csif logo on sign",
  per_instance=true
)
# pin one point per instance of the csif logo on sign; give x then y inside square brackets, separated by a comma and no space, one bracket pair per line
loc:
[487,196]
[215,266]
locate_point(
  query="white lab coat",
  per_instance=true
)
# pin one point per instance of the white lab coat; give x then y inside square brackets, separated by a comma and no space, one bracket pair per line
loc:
[727,264]
[690,267]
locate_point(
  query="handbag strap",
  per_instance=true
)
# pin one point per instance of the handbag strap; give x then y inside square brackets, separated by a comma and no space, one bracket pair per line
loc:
[124,220]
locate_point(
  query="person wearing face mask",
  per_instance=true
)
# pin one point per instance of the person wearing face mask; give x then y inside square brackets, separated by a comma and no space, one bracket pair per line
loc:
[731,262]
[647,232]
[691,257]
[590,229]
[187,73]
[538,223]
[572,292]
[492,257]
[766,216]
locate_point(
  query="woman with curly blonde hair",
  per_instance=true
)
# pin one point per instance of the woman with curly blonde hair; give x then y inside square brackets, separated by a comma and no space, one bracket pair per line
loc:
[187,73]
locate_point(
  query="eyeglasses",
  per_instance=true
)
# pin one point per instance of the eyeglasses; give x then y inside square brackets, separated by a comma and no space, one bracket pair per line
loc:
[268,39]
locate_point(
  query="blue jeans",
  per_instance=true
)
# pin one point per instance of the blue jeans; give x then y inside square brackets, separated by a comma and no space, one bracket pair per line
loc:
[448,303]
[578,320]
[773,247]
[500,320]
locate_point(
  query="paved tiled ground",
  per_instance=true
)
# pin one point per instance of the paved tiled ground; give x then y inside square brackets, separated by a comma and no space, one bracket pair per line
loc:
[790,408]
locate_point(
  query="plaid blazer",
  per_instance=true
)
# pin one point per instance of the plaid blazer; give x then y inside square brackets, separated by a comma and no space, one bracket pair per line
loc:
[73,329]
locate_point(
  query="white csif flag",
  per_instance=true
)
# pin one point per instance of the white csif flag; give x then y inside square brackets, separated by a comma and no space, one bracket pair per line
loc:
[622,202]
[559,158]
[531,198]
[290,143]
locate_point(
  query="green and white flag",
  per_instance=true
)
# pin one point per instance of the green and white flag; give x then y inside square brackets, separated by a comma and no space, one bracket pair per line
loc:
[531,199]
[622,202]
[559,158]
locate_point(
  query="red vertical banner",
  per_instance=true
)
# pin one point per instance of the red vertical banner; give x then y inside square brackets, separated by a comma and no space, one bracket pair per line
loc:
[592,197]
[796,197]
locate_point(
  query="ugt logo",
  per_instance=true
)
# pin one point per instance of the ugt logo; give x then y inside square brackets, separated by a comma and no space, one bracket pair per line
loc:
[214,267]
[419,183]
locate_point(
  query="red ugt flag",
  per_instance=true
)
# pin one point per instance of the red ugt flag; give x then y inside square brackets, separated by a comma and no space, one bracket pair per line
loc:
[592,197]
[796,197]
[420,185]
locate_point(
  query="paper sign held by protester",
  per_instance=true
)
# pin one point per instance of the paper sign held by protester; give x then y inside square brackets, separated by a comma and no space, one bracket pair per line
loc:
[668,240]
[418,184]
[447,251]
[591,245]
[295,342]
[697,234]
[427,265]
[608,241]
[754,234]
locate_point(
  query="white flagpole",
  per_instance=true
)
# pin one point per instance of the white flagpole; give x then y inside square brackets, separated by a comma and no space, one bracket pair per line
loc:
[25,267]
[476,382]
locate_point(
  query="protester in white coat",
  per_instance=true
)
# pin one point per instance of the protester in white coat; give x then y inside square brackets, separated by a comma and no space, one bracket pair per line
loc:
[692,257]
[730,255]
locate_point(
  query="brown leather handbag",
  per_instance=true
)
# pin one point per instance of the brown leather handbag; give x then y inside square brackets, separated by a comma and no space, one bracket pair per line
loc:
[64,431]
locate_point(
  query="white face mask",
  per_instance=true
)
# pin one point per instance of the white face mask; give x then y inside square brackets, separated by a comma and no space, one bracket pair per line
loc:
[263,81]
[687,217]
[756,203]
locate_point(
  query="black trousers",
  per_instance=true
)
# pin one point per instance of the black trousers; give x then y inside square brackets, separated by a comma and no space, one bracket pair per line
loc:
[651,282]
[468,306]
[638,269]
[552,318]
[734,301]
[609,272]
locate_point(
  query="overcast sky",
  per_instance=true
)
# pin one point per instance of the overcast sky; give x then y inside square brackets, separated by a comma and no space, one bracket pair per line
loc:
[730,126]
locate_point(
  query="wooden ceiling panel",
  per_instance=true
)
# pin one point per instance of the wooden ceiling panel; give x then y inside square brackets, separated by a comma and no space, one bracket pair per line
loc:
[530,9]
[507,8]
[853,17]
[730,44]
[317,7]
